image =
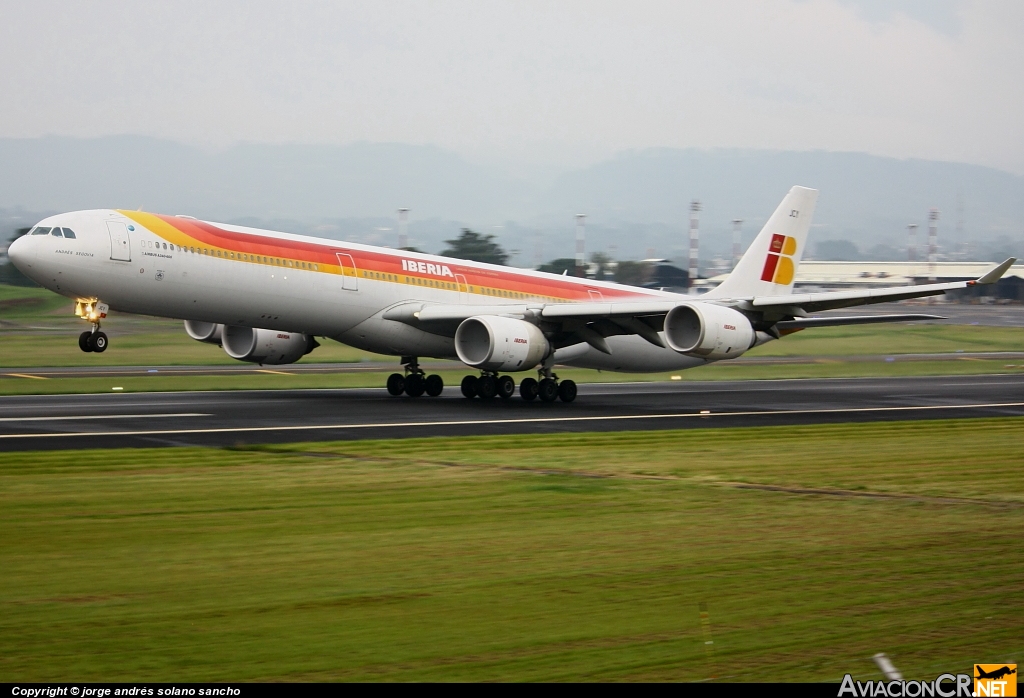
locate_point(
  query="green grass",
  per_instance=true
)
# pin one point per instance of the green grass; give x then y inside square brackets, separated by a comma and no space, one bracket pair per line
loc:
[39,330]
[914,338]
[519,558]
[153,346]
[14,382]
[22,301]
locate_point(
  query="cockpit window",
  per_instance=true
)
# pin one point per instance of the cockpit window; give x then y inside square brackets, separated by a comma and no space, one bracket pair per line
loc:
[41,231]
[69,233]
[56,233]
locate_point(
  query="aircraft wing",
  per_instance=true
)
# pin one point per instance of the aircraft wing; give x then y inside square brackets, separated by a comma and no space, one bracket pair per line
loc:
[591,322]
[565,323]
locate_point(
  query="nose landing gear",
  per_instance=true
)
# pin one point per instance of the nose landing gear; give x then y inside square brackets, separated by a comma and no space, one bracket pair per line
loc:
[94,339]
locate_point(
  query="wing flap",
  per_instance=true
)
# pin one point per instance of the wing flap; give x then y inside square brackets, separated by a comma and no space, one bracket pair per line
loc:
[805,322]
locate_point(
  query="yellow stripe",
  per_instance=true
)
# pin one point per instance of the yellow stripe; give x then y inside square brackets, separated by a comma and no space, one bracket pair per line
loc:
[26,375]
[168,232]
[267,370]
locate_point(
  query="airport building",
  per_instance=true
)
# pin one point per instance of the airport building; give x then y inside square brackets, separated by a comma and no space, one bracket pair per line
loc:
[831,276]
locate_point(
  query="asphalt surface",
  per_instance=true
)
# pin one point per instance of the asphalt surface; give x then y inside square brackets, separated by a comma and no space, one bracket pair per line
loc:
[35,422]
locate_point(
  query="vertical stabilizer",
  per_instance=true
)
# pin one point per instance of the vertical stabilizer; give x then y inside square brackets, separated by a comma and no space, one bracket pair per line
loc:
[769,266]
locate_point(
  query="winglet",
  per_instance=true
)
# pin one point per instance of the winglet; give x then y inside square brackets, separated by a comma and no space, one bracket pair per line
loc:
[995,274]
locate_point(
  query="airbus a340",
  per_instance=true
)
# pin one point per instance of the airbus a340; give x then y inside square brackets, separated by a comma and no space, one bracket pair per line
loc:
[264,296]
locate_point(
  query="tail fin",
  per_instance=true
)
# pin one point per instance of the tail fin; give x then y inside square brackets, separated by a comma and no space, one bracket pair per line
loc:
[769,266]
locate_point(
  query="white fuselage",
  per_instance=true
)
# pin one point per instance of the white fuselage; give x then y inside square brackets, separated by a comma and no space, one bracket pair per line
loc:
[179,267]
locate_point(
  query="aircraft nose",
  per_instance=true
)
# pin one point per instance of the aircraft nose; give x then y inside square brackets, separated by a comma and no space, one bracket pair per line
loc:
[18,253]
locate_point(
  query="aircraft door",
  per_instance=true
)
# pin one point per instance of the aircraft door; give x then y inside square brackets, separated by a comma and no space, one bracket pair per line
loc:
[460,281]
[349,280]
[120,243]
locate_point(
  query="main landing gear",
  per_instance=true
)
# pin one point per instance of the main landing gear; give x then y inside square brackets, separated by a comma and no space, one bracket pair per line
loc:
[548,388]
[415,382]
[94,339]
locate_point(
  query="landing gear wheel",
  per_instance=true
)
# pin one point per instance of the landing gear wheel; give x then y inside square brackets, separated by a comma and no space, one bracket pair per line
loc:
[567,390]
[506,387]
[528,389]
[98,341]
[469,386]
[414,385]
[434,385]
[83,341]
[547,390]
[486,387]
[396,384]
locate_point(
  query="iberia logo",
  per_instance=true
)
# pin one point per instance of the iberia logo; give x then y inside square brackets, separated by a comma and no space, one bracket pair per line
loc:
[778,267]
[995,680]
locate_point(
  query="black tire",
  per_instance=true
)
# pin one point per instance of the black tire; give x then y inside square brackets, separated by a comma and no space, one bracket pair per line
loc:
[469,387]
[98,342]
[435,384]
[528,389]
[414,385]
[506,387]
[547,390]
[396,384]
[83,341]
[486,387]
[567,390]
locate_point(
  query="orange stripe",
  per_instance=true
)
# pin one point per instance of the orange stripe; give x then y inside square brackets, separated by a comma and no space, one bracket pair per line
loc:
[186,232]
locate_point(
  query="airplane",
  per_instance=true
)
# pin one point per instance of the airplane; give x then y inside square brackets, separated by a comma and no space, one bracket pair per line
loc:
[995,674]
[265,296]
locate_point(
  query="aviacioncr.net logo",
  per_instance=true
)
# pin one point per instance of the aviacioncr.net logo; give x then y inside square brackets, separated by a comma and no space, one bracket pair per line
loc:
[945,686]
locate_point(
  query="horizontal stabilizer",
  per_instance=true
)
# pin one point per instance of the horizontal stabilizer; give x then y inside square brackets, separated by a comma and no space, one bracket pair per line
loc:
[804,322]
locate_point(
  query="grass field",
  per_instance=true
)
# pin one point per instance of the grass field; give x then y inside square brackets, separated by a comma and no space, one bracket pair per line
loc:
[520,557]
[18,382]
[38,330]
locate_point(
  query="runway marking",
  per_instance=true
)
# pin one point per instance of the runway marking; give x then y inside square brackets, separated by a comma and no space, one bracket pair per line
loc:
[102,416]
[26,375]
[279,373]
[522,420]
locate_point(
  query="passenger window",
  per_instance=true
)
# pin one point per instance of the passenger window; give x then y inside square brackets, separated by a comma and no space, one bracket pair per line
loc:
[56,233]
[41,231]
[69,233]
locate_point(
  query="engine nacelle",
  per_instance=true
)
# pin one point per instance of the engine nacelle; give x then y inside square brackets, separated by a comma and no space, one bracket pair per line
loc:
[265,346]
[708,331]
[208,332]
[494,343]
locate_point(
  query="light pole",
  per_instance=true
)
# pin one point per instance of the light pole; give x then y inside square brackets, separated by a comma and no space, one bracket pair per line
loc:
[694,239]
[403,232]
[736,223]
[581,233]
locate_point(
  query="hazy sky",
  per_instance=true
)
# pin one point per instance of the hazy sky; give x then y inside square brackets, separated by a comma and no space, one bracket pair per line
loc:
[540,81]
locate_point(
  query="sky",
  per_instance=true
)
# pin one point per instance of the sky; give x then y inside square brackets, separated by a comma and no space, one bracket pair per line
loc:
[551,83]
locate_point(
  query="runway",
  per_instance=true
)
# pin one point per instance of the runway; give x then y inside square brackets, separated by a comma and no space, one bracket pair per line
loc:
[37,422]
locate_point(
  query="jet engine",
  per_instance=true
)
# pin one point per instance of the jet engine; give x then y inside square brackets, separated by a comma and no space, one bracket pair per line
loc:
[265,346]
[494,343]
[708,331]
[208,332]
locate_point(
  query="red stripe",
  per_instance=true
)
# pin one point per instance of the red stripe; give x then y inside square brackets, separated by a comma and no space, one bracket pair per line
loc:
[387,263]
[769,267]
